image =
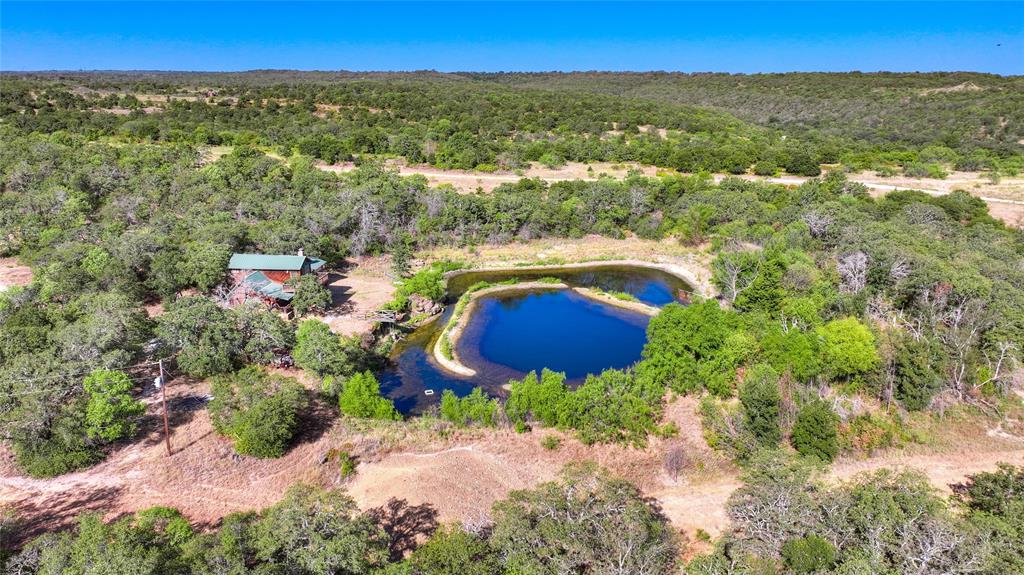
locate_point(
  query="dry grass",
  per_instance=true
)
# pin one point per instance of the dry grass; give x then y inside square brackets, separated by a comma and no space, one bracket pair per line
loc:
[12,274]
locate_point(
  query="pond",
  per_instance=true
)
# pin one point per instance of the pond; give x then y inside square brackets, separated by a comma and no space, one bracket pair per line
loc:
[511,334]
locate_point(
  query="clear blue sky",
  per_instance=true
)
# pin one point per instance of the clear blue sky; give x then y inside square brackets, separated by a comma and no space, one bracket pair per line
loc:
[714,36]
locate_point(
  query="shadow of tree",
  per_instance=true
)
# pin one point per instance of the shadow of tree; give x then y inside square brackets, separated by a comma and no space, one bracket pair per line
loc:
[405,524]
[55,511]
[180,411]
[314,420]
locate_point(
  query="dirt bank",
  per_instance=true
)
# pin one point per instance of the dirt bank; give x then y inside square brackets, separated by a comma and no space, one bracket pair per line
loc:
[700,282]
[609,299]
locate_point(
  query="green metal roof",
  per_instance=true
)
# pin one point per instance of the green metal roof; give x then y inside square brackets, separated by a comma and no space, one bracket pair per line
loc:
[267,262]
[258,282]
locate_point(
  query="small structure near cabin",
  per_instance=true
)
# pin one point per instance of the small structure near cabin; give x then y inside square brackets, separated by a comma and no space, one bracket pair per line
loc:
[266,276]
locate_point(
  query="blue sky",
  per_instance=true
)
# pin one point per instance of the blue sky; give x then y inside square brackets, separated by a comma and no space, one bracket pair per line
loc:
[690,37]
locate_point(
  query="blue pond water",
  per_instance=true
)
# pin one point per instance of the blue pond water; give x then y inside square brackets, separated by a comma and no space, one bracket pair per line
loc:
[559,330]
[510,335]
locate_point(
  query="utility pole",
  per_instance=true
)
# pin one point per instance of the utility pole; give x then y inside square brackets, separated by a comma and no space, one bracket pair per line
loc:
[160,383]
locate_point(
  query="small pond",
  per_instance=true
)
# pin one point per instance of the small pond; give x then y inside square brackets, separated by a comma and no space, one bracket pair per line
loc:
[511,334]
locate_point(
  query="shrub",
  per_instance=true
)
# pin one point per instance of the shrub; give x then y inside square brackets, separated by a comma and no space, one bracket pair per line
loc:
[360,397]
[766,168]
[808,554]
[675,459]
[258,411]
[55,456]
[323,352]
[814,432]
[428,282]
[551,442]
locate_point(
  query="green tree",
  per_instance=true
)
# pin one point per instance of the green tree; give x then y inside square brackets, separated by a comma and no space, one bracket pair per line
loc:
[815,431]
[452,551]
[360,397]
[205,264]
[916,379]
[310,295]
[319,350]
[264,332]
[540,398]
[258,411]
[759,395]
[205,335]
[847,347]
[810,554]
[679,340]
[313,531]
[473,408]
[111,412]
[586,523]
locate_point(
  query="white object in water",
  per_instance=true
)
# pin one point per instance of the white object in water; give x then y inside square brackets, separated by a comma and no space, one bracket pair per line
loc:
[428,392]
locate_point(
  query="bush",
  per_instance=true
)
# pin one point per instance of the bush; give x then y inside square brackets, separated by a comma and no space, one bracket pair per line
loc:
[428,282]
[360,397]
[612,407]
[55,456]
[814,432]
[551,442]
[258,411]
[323,352]
[766,168]
[808,554]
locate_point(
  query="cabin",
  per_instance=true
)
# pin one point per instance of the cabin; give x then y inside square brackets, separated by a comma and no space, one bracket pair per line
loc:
[265,276]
